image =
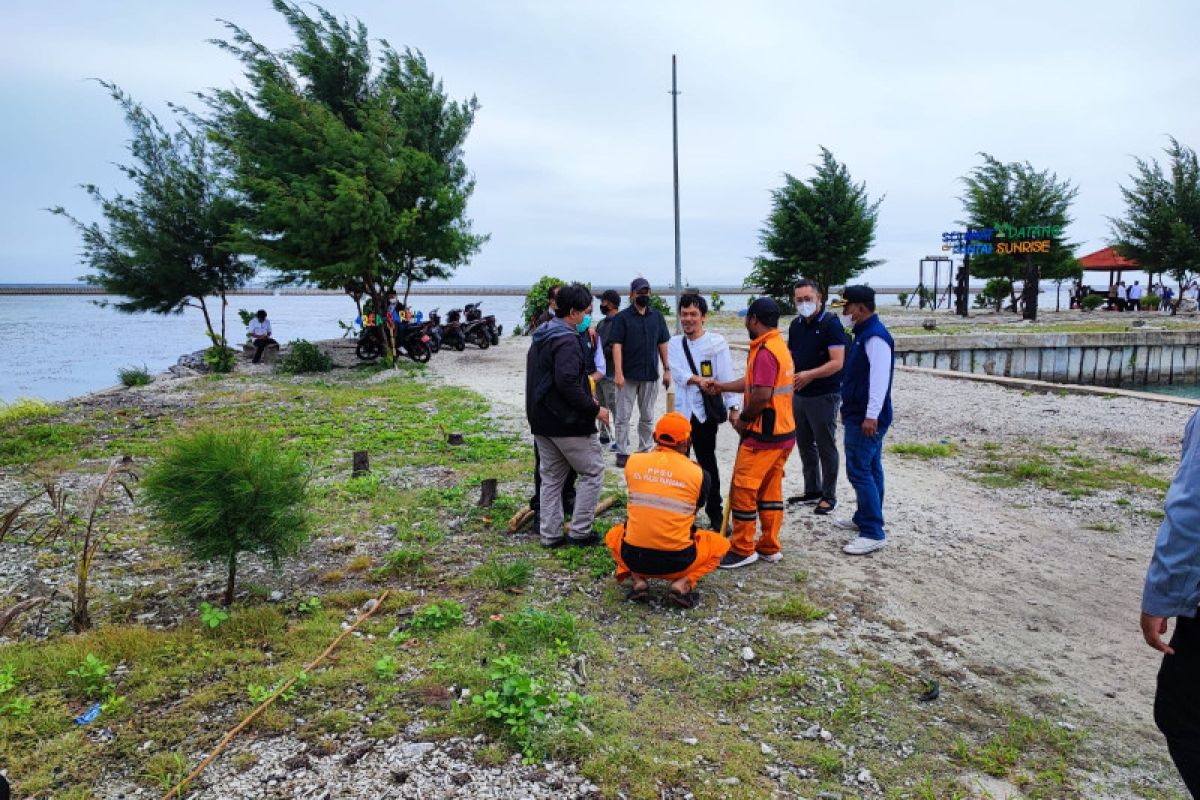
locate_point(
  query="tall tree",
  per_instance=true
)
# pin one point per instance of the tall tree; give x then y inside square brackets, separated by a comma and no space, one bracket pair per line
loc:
[167,246]
[819,230]
[353,170]
[1161,226]
[1014,195]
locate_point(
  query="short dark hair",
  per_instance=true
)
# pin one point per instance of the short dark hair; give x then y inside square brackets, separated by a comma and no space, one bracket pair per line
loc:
[612,297]
[768,318]
[693,300]
[806,283]
[575,297]
[552,291]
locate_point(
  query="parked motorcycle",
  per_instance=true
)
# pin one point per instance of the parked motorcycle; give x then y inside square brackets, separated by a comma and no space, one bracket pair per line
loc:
[433,328]
[452,332]
[413,342]
[481,330]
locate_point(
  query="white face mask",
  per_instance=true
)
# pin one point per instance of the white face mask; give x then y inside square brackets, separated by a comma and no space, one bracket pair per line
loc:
[806,309]
[847,322]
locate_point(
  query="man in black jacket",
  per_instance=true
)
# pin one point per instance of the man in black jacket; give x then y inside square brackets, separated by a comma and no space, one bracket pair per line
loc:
[562,413]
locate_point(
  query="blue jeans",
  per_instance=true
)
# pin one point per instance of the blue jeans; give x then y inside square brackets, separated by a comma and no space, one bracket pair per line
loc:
[864,469]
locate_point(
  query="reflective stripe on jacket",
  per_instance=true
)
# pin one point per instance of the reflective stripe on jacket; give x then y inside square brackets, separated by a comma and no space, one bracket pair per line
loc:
[776,423]
[664,491]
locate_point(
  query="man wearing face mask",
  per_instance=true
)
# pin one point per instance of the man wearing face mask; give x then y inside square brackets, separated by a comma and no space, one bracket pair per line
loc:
[866,415]
[639,338]
[817,343]
[606,390]
[562,414]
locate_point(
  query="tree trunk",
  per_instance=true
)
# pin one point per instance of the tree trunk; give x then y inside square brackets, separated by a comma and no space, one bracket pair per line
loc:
[207,319]
[487,493]
[227,601]
[224,305]
[80,620]
[1058,296]
[1031,289]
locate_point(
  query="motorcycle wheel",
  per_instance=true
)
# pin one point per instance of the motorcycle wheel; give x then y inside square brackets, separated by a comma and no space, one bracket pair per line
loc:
[434,344]
[418,351]
[368,350]
[480,337]
[459,344]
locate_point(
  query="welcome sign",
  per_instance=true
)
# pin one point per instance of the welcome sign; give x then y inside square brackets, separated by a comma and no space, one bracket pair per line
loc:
[1001,239]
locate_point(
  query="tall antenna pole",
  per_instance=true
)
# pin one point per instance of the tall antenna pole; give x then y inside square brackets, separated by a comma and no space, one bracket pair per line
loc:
[675,143]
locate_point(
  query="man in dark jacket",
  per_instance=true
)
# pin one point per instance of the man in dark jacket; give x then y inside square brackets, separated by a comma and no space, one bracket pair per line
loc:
[562,413]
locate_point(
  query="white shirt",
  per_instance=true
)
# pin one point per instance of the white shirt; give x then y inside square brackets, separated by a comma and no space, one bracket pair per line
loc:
[260,328]
[711,348]
[879,356]
[1135,292]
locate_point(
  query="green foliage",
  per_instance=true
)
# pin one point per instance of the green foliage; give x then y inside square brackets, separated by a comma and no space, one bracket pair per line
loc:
[497,575]
[1091,302]
[596,562]
[524,706]
[902,298]
[91,676]
[304,356]
[530,630]
[716,302]
[795,609]
[212,616]
[1150,302]
[438,616]
[351,162]
[218,493]
[1016,194]
[168,246]
[1161,226]
[219,358]
[660,305]
[926,450]
[309,606]
[386,668]
[258,693]
[536,299]
[995,292]
[24,409]
[10,705]
[819,230]
[403,561]
[134,376]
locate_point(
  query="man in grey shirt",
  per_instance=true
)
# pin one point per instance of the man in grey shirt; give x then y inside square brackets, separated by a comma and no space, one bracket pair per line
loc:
[639,339]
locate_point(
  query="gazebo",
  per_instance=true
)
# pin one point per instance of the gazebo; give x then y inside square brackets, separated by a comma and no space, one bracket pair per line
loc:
[1108,260]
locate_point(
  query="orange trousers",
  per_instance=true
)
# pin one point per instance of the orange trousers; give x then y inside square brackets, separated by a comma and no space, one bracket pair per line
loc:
[757,494]
[709,549]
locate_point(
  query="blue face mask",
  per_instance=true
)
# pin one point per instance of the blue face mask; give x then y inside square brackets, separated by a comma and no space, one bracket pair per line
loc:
[584,323]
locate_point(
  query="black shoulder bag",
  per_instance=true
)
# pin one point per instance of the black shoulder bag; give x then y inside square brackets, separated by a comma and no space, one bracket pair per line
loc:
[714,405]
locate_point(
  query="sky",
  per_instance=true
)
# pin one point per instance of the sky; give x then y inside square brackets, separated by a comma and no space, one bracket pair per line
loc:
[571,148]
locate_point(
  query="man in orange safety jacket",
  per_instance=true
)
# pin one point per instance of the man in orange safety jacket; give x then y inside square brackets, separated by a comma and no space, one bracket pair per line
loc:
[659,537]
[768,429]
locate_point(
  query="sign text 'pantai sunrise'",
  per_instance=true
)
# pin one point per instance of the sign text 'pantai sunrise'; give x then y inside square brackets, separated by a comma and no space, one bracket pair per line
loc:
[1001,239]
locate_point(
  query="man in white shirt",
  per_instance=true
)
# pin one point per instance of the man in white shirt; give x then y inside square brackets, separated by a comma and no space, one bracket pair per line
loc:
[710,354]
[260,333]
[1136,293]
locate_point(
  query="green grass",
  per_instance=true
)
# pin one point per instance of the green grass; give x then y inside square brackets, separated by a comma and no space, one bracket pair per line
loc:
[927,450]
[795,609]
[1076,475]
[134,376]
[502,575]
[24,409]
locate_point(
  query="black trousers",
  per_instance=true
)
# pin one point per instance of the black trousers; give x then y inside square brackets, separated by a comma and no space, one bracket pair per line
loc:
[1177,701]
[568,490]
[260,345]
[704,445]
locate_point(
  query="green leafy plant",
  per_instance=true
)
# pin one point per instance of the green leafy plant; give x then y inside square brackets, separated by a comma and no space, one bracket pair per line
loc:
[438,616]
[10,705]
[1150,302]
[218,493]
[902,298]
[304,356]
[23,409]
[661,305]
[259,693]
[1091,302]
[219,358]
[386,668]
[309,606]
[524,706]
[537,299]
[134,376]
[405,560]
[212,616]
[91,676]
[716,302]
[530,629]
[496,575]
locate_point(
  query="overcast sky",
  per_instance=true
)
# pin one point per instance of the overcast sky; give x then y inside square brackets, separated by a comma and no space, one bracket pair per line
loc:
[572,146]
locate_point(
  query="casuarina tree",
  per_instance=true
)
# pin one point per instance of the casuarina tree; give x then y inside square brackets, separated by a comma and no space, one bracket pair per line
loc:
[166,246]
[220,493]
[1161,226]
[352,165]
[820,229]
[1015,196]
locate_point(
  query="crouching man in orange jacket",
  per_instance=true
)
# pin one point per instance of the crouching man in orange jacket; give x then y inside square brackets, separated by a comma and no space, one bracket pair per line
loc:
[659,537]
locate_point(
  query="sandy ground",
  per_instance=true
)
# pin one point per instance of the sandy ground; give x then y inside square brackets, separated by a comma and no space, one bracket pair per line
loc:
[1005,586]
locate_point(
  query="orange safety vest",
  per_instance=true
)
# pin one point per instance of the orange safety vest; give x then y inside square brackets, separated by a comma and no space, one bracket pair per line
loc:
[664,488]
[776,423]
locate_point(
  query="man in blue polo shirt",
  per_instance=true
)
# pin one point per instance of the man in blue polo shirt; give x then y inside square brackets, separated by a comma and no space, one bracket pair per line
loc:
[866,415]
[817,342]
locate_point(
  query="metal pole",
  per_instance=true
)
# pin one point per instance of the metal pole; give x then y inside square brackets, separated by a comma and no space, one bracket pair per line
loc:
[675,144]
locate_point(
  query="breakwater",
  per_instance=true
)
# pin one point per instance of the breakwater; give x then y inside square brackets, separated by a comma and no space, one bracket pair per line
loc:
[1132,358]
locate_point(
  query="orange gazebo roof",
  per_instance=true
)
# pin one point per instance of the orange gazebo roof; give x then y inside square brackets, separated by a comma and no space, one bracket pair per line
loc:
[1107,260]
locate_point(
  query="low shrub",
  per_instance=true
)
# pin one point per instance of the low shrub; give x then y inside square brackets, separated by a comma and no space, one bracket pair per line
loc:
[134,376]
[304,356]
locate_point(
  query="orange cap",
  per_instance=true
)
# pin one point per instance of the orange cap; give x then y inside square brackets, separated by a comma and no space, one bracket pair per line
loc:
[672,429]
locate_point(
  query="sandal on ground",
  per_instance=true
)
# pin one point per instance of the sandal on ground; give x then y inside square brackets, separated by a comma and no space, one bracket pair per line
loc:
[825,507]
[638,595]
[685,599]
[807,497]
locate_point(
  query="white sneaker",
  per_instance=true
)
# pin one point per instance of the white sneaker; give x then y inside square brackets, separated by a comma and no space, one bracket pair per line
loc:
[845,524]
[774,558]
[862,545]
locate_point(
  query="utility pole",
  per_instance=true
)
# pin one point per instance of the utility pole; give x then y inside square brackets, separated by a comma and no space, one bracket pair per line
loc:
[675,143]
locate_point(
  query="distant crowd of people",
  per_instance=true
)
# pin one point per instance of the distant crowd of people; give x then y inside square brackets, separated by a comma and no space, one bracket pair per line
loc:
[583,383]
[1133,297]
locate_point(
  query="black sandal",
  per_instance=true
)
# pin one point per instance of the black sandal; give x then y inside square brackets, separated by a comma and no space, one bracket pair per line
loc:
[825,509]
[638,595]
[807,497]
[685,599]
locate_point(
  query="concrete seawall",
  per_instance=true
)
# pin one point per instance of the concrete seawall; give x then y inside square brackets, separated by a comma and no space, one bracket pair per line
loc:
[1138,357]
